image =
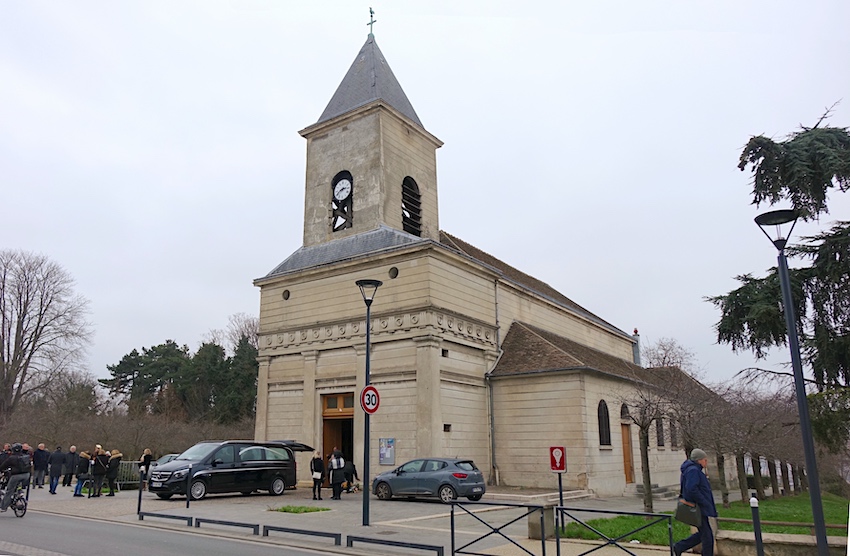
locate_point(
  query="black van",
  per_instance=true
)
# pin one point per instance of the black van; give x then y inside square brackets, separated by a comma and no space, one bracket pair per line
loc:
[229,466]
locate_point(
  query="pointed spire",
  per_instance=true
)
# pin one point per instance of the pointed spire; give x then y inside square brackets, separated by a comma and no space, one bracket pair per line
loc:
[368,79]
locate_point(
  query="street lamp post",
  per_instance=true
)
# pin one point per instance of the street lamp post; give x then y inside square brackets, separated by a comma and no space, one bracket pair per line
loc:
[368,289]
[776,219]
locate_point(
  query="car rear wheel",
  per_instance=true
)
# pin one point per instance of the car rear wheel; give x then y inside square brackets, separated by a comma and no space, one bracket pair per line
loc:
[198,489]
[383,491]
[475,497]
[447,494]
[277,486]
[164,495]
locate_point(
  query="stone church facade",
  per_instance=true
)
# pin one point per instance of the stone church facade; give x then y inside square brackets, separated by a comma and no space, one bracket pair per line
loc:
[472,357]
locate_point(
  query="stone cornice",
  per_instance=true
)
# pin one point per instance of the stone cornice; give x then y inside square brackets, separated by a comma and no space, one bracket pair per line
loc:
[385,327]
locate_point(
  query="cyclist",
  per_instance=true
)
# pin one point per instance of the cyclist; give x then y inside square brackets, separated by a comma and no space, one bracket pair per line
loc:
[18,467]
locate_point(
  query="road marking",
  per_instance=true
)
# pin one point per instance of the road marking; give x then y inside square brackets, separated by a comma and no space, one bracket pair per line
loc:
[21,550]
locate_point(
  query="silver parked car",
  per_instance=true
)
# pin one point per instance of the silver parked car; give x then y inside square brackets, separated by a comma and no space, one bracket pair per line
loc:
[445,478]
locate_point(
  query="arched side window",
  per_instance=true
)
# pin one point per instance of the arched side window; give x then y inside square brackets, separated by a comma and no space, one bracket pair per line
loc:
[604,424]
[659,431]
[411,207]
[624,412]
[674,442]
[342,193]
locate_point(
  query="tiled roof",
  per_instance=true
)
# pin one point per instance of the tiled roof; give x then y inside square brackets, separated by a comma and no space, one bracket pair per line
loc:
[385,238]
[525,280]
[351,247]
[368,79]
[527,349]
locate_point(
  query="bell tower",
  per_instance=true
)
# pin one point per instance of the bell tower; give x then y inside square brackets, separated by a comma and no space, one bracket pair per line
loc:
[370,162]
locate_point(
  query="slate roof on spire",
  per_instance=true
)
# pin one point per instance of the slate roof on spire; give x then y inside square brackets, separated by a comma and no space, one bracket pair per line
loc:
[368,79]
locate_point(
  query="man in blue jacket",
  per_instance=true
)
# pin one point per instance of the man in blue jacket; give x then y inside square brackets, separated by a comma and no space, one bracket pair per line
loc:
[696,488]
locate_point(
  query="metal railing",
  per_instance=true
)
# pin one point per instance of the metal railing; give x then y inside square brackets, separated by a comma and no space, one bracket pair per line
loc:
[655,519]
[497,530]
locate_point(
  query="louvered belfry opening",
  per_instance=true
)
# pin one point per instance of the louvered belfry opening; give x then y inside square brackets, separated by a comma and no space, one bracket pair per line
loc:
[411,207]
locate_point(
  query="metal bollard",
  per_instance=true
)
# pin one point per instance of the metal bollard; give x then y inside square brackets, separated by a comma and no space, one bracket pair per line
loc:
[754,505]
[189,485]
[142,478]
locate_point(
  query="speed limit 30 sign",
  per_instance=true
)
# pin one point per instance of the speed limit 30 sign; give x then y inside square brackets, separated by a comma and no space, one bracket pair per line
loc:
[370,400]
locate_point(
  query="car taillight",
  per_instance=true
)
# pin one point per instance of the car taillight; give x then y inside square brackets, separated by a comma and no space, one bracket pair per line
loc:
[460,475]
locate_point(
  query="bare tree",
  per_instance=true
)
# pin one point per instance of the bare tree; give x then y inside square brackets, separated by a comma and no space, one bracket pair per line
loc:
[43,330]
[239,325]
[667,352]
[647,403]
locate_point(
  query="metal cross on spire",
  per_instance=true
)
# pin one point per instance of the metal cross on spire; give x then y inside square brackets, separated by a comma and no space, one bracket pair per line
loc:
[372,21]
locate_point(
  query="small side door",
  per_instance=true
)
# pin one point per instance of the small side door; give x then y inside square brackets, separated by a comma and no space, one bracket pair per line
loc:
[406,478]
[431,476]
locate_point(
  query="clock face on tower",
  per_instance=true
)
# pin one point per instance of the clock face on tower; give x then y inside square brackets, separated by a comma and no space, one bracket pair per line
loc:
[342,187]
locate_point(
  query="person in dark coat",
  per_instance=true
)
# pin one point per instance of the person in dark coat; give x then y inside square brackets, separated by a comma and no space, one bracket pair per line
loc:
[40,459]
[101,466]
[83,472]
[335,466]
[696,488]
[72,458]
[56,460]
[112,471]
[18,466]
[350,473]
[145,467]
[317,466]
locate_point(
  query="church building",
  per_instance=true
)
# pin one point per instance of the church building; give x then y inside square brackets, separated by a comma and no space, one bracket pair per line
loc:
[471,356]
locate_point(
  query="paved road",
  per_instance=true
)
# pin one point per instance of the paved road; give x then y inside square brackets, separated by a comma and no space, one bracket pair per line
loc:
[43,534]
[423,522]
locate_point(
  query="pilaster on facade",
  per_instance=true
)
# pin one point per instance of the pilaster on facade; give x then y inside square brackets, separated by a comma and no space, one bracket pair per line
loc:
[261,421]
[311,425]
[428,399]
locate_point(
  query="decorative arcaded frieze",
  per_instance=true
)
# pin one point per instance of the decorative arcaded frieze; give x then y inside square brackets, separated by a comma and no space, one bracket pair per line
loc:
[438,322]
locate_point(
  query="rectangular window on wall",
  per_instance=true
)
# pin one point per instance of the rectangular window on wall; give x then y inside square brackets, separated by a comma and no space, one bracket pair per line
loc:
[659,431]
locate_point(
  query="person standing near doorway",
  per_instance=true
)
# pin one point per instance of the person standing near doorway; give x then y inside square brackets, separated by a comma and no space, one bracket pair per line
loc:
[337,464]
[317,469]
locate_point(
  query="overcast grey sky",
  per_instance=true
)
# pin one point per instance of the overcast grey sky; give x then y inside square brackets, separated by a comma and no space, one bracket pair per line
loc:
[151,148]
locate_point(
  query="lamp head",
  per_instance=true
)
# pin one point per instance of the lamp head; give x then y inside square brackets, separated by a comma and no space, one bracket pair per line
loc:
[368,288]
[777,219]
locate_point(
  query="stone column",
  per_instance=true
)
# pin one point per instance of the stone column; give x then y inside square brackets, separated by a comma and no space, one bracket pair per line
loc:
[429,412]
[359,416]
[310,431]
[261,421]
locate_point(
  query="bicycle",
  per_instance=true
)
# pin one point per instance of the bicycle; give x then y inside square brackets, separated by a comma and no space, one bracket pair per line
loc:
[18,503]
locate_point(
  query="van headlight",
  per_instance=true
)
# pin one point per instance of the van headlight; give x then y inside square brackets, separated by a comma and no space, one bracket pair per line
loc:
[180,474]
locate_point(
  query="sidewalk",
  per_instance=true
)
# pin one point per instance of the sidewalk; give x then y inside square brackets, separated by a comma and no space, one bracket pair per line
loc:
[423,521]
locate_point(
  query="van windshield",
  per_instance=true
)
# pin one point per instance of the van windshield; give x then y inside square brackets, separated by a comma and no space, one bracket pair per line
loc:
[197,452]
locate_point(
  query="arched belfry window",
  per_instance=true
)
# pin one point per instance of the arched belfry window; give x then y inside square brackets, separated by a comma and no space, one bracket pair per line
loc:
[342,194]
[604,424]
[411,207]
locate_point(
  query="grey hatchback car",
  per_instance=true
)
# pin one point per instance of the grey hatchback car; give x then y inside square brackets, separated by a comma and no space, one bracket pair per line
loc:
[445,478]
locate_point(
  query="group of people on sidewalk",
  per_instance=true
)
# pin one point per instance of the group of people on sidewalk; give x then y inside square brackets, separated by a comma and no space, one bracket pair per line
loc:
[341,473]
[94,467]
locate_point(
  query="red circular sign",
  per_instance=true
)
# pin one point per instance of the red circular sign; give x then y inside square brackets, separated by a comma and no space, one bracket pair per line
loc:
[370,400]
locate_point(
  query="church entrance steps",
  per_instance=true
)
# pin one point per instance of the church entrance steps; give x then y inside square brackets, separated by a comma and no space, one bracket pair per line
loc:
[658,493]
